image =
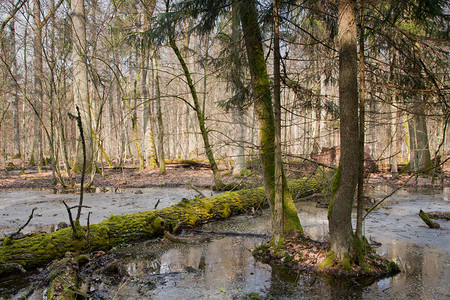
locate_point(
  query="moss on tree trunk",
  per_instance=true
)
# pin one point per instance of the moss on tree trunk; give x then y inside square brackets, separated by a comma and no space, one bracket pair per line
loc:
[40,248]
[264,108]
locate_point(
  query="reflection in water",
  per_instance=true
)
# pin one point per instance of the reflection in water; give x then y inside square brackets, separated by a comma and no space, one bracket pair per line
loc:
[424,272]
[224,268]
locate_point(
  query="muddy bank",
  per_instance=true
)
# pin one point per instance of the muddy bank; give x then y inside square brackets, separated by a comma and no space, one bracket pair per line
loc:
[178,174]
[182,173]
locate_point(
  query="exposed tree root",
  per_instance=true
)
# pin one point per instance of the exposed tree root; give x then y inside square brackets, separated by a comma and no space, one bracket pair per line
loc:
[305,254]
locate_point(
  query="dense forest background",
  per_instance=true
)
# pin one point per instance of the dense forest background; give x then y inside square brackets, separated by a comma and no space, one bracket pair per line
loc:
[157,80]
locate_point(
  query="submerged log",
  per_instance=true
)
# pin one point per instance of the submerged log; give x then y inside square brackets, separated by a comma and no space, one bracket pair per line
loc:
[184,239]
[40,248]
[428,221]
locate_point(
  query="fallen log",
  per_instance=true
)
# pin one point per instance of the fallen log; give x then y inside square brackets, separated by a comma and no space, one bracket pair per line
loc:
[428,221]
[39,249]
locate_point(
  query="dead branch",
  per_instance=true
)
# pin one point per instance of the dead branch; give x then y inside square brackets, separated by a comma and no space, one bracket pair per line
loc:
[70,217]
[197,190]
[24,225]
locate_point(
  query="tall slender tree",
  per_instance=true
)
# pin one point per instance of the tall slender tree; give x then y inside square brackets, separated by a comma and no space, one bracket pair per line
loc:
[15,88]
[264,107]
[341,233]
[80,84]
[38,100]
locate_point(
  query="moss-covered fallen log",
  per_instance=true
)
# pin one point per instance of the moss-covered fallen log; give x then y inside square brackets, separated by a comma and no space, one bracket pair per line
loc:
[40,248]
[428,221]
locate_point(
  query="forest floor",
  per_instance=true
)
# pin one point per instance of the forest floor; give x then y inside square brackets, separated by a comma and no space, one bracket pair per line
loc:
[183,173]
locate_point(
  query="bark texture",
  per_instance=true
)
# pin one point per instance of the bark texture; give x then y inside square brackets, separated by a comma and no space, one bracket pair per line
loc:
[80,83]
[340,214]
[38,94]
[420,157]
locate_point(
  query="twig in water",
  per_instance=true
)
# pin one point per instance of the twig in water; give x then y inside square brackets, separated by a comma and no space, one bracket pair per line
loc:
[157,202]
[398,188]
[120,287]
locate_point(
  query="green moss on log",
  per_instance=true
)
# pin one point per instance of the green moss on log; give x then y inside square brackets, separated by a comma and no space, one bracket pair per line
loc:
[428,221]
[40,248]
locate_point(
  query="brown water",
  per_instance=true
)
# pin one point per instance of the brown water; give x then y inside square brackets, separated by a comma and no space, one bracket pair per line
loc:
[225,269]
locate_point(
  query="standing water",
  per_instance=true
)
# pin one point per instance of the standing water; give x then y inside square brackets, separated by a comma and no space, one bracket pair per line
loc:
[224,267]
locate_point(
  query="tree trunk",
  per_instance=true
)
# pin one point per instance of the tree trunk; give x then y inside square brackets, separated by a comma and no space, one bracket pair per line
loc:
[37,156]
[237,110]
[420,158]
[80,84]
[239,167]
[159,119]
[264,109]
[277,210]
[362,111]
[40,248]
[341,208]
[146,112]
[200,116]
[15,90]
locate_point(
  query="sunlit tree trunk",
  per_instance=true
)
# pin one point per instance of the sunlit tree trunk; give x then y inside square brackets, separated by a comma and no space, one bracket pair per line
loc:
[159,119]
[38,100]
[14,91]
[80,84]
[277,210]
[420,158]
[341,208]
[237,109]
[239,167]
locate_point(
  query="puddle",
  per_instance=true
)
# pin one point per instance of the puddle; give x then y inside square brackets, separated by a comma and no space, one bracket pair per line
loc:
[224,267]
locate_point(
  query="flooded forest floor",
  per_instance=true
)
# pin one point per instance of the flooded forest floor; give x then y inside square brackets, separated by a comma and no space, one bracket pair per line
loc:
[223,267]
